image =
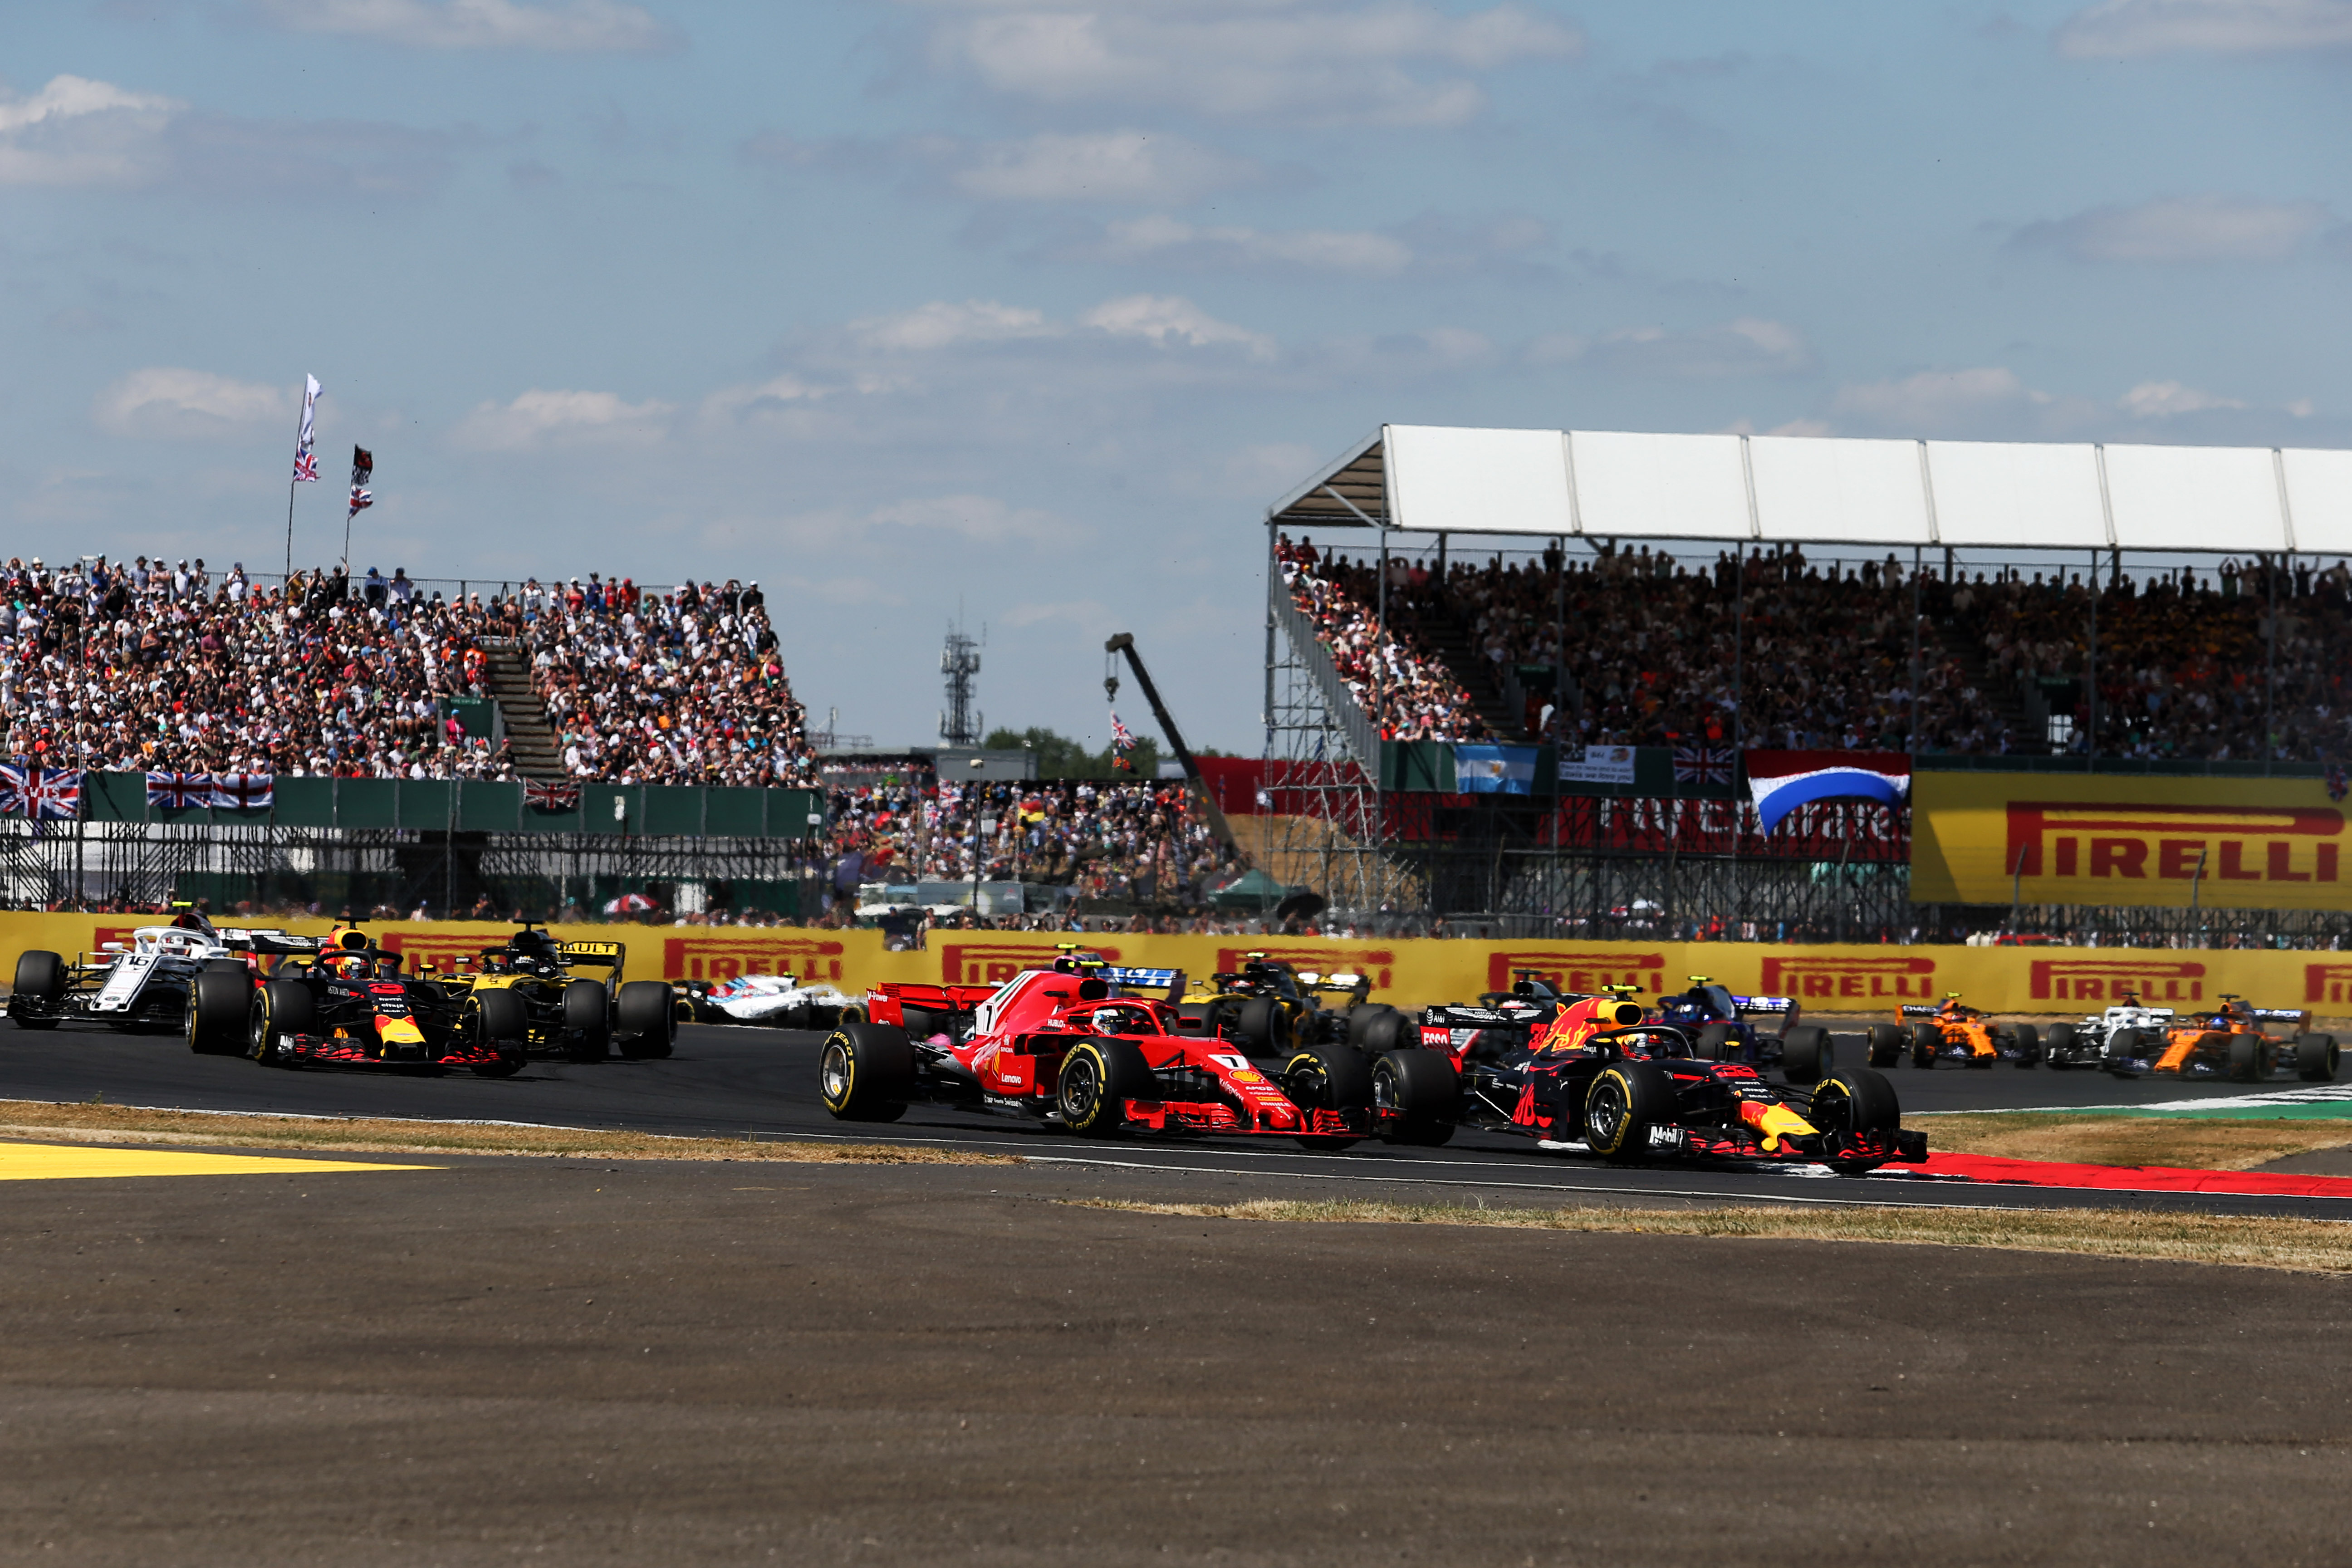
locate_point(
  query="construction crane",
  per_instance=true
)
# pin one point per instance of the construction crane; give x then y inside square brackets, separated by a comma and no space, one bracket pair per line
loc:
[1125,642]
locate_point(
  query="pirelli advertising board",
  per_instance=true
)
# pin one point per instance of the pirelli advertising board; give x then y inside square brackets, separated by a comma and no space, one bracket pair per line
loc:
[2097,839]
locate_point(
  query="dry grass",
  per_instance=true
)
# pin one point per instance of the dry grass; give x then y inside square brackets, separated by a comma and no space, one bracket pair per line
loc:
[123,1124]
[2318,1247]
[2197,1143]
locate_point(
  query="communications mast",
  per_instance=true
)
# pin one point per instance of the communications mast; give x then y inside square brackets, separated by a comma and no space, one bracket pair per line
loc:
[959,723]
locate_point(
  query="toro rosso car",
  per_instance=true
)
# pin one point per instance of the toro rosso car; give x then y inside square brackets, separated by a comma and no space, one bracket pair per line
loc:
[1601,1076]
[2237,1041]
[1090,1047]
[351,1005]
[144,985]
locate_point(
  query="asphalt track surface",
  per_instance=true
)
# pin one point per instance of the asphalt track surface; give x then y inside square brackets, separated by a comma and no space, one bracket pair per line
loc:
[734,1082]
[685,1362]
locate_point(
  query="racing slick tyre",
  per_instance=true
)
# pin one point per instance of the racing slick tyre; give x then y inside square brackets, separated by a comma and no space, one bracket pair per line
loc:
[1098,1078]
[1257,1023]
[1886,1045]
[587,1024]
[500,1021]
[2245,1054]
[1413,1092]
[867,1071]
[1625,1101]
[1856,1100]
[643,1020]
[2122,1048]
[1806,1053]
[2315,1058]
[281,1008]
[1926,1041]
[2058,1051]
[2029,1046]
[1376,1028]
[219,1006]
[40,975]
[1329,1078]
[1711,1043]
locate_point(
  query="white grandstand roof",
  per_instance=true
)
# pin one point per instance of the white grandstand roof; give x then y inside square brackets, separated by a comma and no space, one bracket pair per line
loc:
[1814,490]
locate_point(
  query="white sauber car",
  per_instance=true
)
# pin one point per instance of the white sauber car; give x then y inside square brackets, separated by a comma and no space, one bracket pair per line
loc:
[144,984]
[781,1001]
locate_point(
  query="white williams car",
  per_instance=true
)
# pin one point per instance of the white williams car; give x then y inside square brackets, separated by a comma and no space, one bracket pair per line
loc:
[779,1001]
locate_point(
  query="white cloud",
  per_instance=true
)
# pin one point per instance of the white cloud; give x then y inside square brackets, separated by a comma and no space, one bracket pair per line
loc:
[570,26]
[1748,346]
[169,403]
[981,519]
[2162,399]
[78,132]
[2182,228]
[1397,64]
[540,418]
[941,325]
[1933,401]
[1166,318]
[1104,167]
[2141,27]
[1171,241]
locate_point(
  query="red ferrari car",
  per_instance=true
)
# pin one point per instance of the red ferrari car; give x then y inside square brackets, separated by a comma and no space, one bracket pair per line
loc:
[1090,1047]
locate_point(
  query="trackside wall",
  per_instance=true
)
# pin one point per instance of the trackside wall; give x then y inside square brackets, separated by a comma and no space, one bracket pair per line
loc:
[1828,979]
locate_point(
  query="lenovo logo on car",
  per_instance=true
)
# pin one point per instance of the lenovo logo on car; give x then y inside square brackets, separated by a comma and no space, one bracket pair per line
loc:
[1568,969]
[1823,979]
[2104,980]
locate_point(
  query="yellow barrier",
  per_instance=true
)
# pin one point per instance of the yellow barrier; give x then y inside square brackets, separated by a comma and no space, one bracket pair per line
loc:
[1407,973]
[2251,844]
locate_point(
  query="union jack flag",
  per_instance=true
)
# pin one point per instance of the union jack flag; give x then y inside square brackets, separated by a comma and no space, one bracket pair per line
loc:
[543,796]
[1121,738]
[179,792]
[51,794]
[1703,765]
[305,468]
[361,498]
[244,792]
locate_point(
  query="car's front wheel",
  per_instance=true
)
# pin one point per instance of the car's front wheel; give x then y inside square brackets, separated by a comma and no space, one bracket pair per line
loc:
[1625,1101]
[1329,1078]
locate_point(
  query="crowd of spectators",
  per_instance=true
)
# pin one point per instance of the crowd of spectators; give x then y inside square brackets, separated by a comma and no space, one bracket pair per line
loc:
[156,666]
[1777,650]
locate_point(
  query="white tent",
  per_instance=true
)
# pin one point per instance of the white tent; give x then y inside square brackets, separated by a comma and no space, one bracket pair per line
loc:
[1834,491]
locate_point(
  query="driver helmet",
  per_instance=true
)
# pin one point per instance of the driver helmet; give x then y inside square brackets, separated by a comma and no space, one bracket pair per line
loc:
[353,965]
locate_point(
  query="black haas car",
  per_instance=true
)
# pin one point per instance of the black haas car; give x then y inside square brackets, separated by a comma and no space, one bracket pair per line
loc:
[351,1005]
[1599,1074]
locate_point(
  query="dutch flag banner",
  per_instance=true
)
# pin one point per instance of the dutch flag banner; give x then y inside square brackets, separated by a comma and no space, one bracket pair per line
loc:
[1782,781]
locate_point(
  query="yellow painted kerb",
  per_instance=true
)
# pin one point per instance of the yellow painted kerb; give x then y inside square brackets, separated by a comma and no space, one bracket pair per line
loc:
[62,1161]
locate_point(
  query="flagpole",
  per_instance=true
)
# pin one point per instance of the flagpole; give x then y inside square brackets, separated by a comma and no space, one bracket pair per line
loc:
[290,528]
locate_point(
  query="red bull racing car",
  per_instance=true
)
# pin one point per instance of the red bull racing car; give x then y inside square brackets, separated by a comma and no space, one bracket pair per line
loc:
[1599,1073]
[1094,1048]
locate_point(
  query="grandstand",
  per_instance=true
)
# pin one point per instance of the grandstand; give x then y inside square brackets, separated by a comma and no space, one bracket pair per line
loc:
[1697,597]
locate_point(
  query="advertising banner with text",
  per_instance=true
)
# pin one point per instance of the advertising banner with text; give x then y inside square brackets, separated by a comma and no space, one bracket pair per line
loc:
[2095,839]
[1858,982]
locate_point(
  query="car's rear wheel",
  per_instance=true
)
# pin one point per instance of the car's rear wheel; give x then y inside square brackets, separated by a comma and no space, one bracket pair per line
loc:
[644,1020]
[2029,1046]
[1256,1023]
[499,1020]
[1926,1041]
[1415,1092]
[1376,1027]
[1329,1078]
[2120,1050]
[1712,1040]
[2243,1051]
[866,1072]
[1856,1100]
[280,1008]
[40,981]
[2315,1058]
[2058,1049]
[1626,1100]
[1886,1045]
[220,1002]
[587,1022]
[1806,1053]
[1098,1078]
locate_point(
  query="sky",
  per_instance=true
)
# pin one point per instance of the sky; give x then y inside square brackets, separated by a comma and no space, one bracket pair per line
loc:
[1023,311]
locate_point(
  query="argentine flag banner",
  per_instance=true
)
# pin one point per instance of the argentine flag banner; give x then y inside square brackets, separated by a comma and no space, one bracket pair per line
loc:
[1782,781]
[1495,770]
